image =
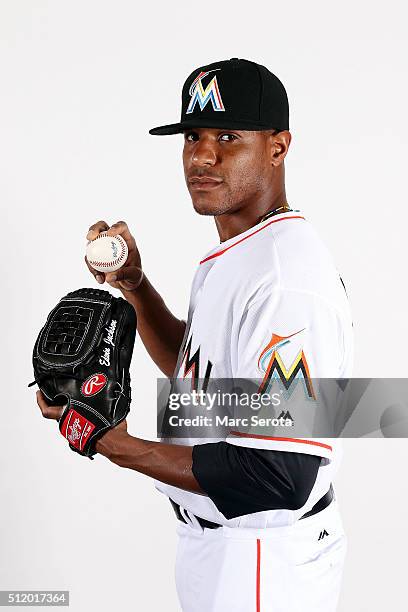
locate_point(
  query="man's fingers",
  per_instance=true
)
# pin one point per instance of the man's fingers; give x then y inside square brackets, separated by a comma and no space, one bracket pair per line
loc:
[96,229]
[99,276]
[48,412]
[129,277]
[120,227]
[130,274]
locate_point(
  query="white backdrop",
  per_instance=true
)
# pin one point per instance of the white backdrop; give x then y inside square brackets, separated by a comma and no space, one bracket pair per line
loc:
[81,82]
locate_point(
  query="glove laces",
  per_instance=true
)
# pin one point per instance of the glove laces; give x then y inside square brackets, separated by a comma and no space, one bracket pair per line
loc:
[53,372]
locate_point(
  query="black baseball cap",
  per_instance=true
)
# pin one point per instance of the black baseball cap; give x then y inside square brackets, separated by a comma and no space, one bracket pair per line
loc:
[236,94]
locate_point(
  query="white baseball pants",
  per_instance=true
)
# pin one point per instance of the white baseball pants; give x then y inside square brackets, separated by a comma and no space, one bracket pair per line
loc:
[297,568]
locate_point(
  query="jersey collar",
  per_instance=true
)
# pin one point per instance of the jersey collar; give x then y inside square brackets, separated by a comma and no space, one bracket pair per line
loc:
[252,231]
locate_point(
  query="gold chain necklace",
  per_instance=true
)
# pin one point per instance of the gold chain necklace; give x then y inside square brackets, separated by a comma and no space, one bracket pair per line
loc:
[284,208]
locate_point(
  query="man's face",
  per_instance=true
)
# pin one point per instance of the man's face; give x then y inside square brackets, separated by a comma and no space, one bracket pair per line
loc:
[226,169]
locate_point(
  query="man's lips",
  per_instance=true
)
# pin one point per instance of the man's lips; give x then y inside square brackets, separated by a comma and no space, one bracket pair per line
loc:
[204,182]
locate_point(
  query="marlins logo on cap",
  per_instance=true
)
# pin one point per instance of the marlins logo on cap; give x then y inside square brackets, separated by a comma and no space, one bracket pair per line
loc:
[203,96]
[252,99]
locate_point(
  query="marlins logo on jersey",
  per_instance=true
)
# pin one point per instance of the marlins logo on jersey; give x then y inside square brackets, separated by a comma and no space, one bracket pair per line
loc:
[203,96]
[270,362]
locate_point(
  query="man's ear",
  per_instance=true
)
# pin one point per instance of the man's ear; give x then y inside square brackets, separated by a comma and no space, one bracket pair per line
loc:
[279,145]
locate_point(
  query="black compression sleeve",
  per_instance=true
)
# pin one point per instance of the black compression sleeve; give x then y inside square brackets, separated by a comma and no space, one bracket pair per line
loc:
[241,480]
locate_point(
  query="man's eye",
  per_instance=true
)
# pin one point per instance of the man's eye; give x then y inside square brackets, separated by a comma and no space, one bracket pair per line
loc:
[228,137]
[193,136]
[190,136]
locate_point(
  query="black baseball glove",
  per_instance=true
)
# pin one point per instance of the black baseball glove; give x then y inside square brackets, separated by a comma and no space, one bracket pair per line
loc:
[81,358]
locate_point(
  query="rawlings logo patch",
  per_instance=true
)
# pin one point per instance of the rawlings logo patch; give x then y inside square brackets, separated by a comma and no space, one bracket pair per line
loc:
[76,429]
[93,384]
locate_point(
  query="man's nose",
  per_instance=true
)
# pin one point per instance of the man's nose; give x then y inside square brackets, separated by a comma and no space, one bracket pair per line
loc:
[204,154]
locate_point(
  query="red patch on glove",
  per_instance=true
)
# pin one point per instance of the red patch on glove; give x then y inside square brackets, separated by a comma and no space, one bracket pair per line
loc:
[76,429]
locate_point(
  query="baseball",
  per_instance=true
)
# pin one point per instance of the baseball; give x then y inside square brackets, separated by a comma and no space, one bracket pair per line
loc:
[107,253]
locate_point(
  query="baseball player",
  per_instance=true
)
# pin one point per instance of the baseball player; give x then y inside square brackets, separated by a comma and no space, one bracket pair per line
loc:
[257,519]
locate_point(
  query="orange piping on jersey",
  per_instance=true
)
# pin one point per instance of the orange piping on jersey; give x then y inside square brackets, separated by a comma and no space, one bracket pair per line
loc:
[249,236]
[259,437]
[258,575]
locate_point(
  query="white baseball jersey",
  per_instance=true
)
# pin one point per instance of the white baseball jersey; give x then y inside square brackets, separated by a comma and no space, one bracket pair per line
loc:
[267,300]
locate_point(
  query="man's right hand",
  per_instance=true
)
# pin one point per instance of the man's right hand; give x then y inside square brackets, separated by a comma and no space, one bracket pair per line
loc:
[130,275]
[160,331]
